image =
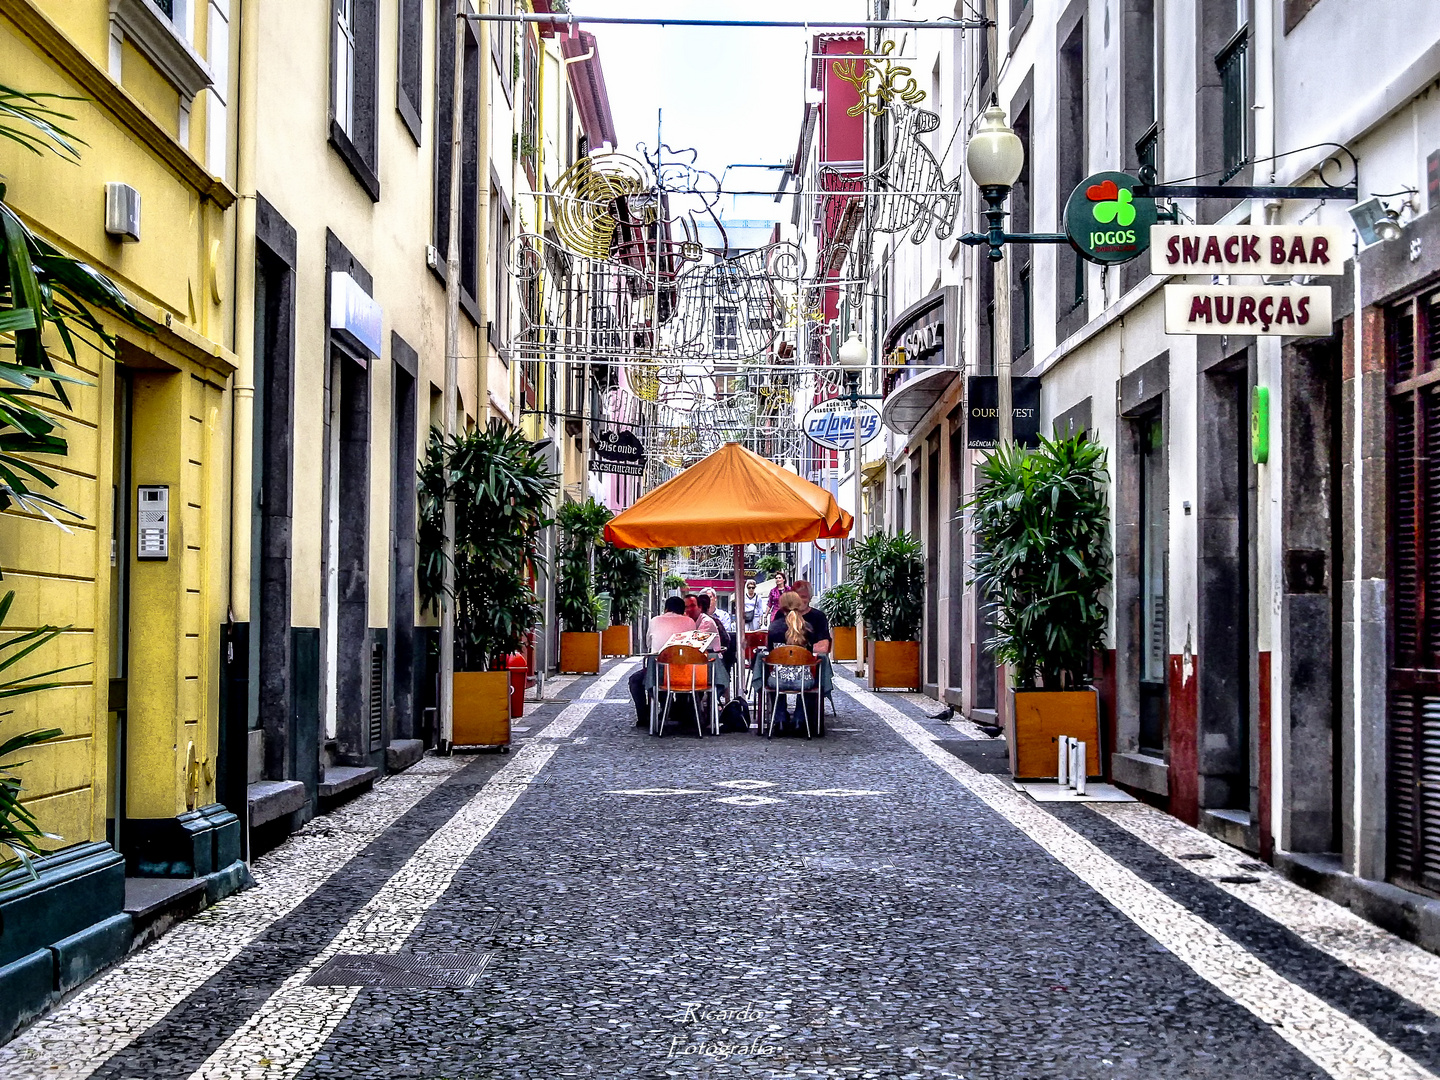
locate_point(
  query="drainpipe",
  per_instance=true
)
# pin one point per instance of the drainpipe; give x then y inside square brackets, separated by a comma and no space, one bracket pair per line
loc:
[242,390]
[242,393]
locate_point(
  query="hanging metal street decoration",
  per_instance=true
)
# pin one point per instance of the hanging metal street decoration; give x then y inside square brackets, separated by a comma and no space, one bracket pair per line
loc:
[831,424]
[1106,221]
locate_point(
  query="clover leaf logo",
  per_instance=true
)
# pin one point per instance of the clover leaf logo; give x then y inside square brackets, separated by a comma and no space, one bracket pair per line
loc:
[1112,203]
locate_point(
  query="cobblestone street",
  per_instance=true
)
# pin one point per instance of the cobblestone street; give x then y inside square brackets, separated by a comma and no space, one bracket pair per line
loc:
[875,903]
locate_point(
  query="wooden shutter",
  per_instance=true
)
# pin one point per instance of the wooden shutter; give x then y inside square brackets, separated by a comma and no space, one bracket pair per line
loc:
[1413,699]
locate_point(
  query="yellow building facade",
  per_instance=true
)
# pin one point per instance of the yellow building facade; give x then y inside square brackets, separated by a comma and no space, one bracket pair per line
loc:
[133,782]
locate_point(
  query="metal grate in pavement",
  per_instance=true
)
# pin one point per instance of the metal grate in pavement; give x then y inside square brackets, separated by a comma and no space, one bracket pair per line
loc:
[402,970]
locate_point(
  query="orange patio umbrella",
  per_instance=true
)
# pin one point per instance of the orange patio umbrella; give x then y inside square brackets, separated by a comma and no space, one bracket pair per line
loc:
[732,497]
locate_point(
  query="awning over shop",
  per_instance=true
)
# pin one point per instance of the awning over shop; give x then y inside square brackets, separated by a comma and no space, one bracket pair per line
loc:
[909,402]
[732,497]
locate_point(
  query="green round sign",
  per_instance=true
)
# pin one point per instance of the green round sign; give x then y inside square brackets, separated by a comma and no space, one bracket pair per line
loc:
[1106,223]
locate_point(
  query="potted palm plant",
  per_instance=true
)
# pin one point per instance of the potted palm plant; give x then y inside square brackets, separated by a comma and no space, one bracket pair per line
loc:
[890,590]
[624,574]
[583,523]
[1041,524]
[502,490]
[841,605]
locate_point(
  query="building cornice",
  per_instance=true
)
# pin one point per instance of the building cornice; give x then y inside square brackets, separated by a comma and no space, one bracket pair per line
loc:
[143,24]
[114,100]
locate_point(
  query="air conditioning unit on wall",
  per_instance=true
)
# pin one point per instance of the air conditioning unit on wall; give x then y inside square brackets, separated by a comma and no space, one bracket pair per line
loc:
[122,212]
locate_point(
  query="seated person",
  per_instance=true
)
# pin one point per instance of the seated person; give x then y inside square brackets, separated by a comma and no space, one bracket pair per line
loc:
[703,622]
[661,629]
[817,620]
[791,628]
[706,602]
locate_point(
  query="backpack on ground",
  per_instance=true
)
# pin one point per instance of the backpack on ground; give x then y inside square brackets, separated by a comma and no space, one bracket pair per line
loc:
[735,716]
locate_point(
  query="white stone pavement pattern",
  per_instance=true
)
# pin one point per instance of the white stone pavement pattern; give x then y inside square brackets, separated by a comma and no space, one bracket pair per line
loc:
[1335,1042]
[670,787]
[281,1037]
[107,1014]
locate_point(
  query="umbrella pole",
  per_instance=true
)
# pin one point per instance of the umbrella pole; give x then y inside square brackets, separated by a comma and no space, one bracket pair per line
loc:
[737,613]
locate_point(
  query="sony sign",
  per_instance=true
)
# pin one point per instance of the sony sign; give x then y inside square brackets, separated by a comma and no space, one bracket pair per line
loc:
[831,424]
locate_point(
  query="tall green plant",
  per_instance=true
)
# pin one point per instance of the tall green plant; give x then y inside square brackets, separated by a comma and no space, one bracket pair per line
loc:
[1041,524]
[890,585]
[19,830]
[769,564]
[583,524]
[625,574]
[502,491]
[840,603]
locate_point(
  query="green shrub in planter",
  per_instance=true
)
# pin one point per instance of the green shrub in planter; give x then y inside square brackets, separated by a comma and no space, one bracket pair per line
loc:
[583,524]
[890,586]
[502,491]
[769,565]
[1041,524]
[625,575]
[840,603]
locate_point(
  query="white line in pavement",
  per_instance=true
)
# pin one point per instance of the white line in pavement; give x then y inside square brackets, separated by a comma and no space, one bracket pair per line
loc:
[116,1008]
[286,1031]
[1392,962]
[1340,1045]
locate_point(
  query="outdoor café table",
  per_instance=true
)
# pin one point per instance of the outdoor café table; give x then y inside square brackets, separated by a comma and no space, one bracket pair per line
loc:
[719,679]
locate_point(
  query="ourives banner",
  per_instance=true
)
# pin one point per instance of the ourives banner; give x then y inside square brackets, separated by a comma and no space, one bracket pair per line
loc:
[982,411]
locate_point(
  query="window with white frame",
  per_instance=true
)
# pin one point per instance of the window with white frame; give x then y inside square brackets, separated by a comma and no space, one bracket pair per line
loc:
[345,65]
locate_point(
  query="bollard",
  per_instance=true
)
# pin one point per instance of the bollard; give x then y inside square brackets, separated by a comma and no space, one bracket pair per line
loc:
[1077,767]
[1062,772]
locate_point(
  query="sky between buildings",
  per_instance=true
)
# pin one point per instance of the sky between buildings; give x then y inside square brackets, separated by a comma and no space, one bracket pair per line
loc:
[735,95]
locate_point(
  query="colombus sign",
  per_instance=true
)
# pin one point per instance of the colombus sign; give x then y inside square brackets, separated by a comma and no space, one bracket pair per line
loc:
[831,424]
[1244,249]
[1104,220]
[1289,310]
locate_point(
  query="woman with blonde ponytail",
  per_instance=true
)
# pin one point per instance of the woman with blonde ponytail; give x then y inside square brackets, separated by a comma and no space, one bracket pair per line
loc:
[791,628]
[796,629]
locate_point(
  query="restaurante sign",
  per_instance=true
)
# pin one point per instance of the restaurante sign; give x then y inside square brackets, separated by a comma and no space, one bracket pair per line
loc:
[618,452]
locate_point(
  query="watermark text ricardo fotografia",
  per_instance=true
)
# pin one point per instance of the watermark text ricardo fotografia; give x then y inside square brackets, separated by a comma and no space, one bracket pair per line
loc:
[722,1045]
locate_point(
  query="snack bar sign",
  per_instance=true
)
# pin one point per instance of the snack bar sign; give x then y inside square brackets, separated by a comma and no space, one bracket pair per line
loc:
[1243,249]
[1247,251]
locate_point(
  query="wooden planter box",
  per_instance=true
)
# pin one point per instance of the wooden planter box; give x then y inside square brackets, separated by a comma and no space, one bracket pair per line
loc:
[842,648]
[616,640]
[1039,718]
[482,709]
[579,653]
[894,665]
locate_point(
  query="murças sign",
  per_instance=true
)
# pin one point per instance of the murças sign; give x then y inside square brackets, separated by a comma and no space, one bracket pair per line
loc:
[1106,223]
[831,424]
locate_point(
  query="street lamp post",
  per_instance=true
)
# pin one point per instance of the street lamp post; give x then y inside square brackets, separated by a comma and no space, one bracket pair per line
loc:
[995,157]
[854,357]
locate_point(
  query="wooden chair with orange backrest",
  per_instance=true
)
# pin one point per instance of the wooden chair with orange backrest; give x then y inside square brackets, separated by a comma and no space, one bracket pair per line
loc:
[681,669]
[789,656]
